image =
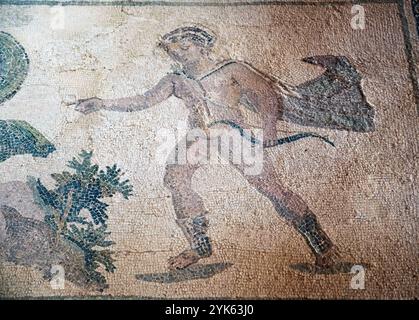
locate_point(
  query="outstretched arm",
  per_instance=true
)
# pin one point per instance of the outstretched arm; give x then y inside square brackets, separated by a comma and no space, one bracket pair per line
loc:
[160,92]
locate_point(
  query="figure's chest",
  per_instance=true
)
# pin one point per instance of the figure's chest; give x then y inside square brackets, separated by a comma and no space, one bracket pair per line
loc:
[222,88]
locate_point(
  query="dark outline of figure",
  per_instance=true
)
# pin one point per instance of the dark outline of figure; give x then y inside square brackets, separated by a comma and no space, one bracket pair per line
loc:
[195,85]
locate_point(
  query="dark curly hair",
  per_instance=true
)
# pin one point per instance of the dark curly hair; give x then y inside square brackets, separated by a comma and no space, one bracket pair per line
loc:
[197,35]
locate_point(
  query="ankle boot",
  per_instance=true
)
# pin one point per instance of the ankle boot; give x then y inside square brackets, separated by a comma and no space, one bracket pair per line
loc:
[195,230]
[318,241]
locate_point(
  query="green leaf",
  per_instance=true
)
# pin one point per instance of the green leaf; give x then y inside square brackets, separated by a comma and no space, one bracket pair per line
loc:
[87,185]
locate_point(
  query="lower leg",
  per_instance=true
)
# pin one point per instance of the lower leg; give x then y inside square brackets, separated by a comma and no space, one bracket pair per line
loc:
[195,231]
[190,212]
[296,213]
[320,244]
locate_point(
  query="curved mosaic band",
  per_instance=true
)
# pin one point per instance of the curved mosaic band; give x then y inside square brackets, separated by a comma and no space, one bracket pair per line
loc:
[14,65]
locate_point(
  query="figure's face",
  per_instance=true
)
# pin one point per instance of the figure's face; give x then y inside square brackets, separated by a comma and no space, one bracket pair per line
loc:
[185,52]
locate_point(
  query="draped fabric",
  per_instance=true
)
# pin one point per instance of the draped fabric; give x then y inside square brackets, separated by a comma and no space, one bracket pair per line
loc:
[334,100]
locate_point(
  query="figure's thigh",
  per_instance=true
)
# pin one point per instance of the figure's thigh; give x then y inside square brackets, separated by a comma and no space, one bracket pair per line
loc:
[267,182]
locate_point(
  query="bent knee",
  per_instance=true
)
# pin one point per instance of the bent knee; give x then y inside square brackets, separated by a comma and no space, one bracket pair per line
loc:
[175,176]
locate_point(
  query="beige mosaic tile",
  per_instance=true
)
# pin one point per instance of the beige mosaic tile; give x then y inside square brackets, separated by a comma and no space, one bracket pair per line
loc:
[203,149]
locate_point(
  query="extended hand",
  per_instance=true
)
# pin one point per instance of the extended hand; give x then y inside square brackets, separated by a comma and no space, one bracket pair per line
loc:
[89,105]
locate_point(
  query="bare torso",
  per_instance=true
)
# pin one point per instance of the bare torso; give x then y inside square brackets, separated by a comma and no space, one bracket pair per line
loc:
[223,91]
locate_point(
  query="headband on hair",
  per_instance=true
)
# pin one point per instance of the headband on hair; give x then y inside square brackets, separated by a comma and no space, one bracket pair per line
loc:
[197,35]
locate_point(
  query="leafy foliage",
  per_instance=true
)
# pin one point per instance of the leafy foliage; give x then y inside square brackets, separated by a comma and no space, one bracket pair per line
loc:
[87,238]
[79,192]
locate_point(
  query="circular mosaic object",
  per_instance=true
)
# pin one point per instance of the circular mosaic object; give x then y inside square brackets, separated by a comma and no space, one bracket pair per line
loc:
[14,64]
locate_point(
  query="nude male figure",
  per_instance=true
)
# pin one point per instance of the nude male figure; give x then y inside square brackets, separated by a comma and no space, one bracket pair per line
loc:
[212,90]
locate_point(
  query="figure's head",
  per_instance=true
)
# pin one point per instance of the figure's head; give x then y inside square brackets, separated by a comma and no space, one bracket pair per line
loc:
[187,45]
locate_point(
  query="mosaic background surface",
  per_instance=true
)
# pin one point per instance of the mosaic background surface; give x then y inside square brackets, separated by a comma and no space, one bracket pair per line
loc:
[364,191]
